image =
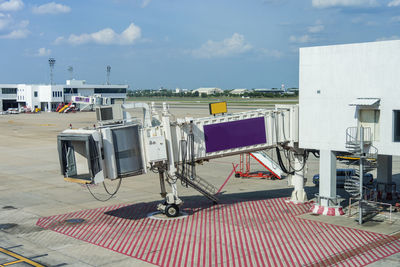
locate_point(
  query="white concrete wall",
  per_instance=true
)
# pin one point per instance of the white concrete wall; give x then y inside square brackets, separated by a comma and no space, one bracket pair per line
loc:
[343,73]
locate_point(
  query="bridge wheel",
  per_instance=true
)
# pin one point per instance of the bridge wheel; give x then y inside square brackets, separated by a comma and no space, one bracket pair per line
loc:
[172,210]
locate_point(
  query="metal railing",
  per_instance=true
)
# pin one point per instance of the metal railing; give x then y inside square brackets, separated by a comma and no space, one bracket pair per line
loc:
[353,135]
[372,202]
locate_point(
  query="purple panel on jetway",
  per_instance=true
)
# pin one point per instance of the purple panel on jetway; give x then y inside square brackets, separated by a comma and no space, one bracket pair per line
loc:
[234,134]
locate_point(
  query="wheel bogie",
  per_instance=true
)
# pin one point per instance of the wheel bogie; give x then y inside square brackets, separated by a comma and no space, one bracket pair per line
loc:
[172,210]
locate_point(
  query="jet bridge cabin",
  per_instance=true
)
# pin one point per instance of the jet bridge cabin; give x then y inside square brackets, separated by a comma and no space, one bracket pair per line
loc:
[80,156]
[89,156]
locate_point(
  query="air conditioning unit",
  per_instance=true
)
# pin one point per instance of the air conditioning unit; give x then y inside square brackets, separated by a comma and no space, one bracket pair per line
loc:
[109,113]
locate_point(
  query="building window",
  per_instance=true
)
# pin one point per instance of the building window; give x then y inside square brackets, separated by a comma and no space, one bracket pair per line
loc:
[35,94]
[8,91]
[70,90]
[396,125]
[110,90]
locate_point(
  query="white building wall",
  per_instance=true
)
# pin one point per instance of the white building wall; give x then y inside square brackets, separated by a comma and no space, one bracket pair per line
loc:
[55,93]
[85,91]
[45,93]
[333,76]
[21,97]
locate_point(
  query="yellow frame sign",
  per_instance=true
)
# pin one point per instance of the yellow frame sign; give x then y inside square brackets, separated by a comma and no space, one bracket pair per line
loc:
[218,108]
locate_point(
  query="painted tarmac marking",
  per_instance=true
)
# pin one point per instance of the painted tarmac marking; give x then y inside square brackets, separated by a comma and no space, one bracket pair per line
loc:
[253,233]
[19,259]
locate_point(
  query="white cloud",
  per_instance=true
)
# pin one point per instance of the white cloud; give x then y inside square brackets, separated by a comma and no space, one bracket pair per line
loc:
[4,21]
[395,19]
[59,40]
[225,48]
[343,3]
[301,39]
[51,8]
[11,5]
[394,3]
[105,36]
[393,37]
[42,52]
[145,3]
[16,34]
[371,23]
[271,53]
[316,28]
[23,24]
[17,30]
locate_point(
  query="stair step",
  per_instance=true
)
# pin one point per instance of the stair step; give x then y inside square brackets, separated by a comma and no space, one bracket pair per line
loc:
[201,185]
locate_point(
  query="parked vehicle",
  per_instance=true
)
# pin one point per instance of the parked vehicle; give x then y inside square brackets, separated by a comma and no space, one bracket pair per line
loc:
[341,177]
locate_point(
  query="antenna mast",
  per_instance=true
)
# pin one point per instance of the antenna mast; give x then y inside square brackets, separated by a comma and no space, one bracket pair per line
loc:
[71,72]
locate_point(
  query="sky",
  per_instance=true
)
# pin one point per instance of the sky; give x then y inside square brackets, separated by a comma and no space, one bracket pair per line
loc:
[181,43]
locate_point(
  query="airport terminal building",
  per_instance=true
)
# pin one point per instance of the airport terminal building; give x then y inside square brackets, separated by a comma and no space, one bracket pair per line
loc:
[47,97]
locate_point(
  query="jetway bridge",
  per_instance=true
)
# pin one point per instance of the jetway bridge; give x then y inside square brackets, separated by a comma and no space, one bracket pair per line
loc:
[122,146]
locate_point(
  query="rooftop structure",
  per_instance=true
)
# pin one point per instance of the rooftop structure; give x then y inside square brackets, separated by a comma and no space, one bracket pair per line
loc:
[266,90]
[208,90]
[47,97]
[238,91]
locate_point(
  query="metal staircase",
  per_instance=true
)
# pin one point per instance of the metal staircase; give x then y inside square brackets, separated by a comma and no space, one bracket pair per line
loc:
[201,185]
[363,158]
[361,149]
[85,107]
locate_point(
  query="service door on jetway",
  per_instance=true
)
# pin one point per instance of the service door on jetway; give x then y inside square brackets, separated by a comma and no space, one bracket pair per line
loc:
[369,118]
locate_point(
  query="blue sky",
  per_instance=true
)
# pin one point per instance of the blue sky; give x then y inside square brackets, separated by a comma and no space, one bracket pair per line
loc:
[181,43]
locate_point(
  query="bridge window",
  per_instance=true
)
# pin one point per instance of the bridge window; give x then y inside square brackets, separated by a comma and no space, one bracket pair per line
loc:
[396,125]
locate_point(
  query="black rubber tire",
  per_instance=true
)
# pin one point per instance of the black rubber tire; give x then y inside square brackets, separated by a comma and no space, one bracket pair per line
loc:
[172,211]
[237,175]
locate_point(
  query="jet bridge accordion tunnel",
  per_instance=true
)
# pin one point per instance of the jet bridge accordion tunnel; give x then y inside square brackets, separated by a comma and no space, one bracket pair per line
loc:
[89,156]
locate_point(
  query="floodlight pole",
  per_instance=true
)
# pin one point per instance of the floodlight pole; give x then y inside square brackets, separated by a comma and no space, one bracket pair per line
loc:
[52,61]
[108,73]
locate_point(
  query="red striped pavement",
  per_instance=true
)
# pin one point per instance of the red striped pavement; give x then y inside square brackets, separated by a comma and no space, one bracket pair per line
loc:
[251,233]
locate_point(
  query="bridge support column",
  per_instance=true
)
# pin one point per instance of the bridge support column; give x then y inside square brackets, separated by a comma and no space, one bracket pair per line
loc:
[385,187]
[327,202]
[298,194]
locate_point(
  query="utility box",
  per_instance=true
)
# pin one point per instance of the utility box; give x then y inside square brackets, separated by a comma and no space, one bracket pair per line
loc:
[156,149]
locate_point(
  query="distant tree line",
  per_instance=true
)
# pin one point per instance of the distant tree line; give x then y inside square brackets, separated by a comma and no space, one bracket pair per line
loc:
[226,93]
